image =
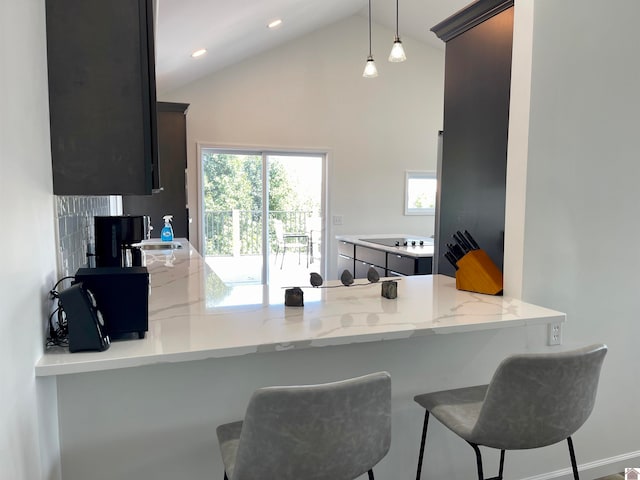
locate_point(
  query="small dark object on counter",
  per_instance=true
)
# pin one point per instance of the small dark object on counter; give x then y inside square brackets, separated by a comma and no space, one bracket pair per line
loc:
[372,275]
[316,279]
[346,278]
[389,289]
[294,297]
[122,294]
[84,320]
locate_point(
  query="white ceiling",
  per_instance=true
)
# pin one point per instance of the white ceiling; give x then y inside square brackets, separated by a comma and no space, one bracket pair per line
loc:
[232,30]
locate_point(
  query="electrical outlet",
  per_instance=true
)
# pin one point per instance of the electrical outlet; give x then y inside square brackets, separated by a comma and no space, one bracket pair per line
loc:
[554,331]
[337,219]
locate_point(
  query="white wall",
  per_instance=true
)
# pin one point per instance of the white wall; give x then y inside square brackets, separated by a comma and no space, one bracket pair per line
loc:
[310,94]
[581,216]
[518,147]
[28,421]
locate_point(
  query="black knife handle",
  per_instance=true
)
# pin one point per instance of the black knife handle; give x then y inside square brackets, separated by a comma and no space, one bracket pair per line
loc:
[471,240]
[458,252]
[461,243]
[453,250]
[466,243]
[449,256]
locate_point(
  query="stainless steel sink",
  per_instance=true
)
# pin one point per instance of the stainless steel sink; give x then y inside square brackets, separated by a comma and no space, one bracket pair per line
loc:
[159,245]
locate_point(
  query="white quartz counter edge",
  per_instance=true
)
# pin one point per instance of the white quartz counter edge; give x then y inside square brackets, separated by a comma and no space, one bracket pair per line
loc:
[417,251]
[183,328]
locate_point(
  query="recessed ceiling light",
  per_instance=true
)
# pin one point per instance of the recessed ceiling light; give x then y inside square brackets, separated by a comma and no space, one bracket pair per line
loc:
[199,53]
[275,23]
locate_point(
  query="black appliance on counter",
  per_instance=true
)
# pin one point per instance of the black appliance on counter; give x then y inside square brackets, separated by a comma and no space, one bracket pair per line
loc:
[84,320]
[122,295]
[115,237]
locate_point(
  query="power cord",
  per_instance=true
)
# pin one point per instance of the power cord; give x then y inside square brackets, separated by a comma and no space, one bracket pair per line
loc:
[58,331]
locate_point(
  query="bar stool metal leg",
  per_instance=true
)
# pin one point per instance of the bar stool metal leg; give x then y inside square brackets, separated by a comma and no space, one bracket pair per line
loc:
[478,460]
[572,454]
[501,465]
[479,463]
[424,437]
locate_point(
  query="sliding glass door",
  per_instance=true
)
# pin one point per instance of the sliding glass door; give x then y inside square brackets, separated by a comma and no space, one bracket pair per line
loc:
[262,215]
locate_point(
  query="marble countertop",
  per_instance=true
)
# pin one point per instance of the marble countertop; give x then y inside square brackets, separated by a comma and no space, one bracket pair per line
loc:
[194,316]
[425,250]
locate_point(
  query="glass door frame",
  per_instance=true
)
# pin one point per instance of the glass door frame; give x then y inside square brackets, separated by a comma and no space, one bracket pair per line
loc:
[265,153]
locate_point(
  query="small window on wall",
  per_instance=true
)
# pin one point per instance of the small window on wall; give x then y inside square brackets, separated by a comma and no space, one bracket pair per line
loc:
[420,193]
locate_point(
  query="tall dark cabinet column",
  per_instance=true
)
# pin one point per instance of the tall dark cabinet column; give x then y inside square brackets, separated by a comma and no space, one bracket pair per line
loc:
[476,119]
[171,199]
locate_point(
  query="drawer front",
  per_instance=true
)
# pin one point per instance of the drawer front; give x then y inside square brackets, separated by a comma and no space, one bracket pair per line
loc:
[391,273]
[371,255]
[401,264]
[346,249]
[345,263]
[362,268]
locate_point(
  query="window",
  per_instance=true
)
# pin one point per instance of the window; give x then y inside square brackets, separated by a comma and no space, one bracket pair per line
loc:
[420,193]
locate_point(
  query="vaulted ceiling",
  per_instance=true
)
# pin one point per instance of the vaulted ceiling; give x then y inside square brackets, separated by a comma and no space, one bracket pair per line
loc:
[232,30]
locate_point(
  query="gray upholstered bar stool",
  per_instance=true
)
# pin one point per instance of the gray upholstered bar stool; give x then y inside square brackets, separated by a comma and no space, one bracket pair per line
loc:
[332,431]
[533,400]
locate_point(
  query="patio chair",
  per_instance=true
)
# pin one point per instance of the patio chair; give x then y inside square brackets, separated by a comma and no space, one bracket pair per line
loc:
[289,241]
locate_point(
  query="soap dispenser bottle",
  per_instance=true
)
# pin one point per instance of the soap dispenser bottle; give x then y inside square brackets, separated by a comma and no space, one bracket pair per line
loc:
[166,234]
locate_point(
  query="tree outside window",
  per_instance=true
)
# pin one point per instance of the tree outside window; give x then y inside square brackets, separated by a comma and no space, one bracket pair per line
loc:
[420,193]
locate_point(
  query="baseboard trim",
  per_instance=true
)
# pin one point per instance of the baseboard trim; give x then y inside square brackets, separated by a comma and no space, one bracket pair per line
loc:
[595,469]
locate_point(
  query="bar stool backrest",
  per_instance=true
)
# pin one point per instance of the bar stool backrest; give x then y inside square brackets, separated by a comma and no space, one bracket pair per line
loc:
[535,400]
[337,430]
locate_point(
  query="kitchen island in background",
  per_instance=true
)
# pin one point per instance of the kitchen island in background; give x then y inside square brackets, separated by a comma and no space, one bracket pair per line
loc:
[391,255]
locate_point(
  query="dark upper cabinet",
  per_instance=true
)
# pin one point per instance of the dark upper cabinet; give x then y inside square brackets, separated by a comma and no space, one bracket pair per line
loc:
[473,167]
[102,97]
[171,199]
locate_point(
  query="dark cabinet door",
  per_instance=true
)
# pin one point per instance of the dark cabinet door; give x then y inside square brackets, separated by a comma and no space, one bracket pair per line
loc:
[476,118]
[407,265]
[346,263]
[347,249]
[362,269]
[371,256]
[100,57]
[171,198]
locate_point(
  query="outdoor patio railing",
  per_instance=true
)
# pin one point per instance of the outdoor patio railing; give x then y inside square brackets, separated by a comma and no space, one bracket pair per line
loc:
[239,232]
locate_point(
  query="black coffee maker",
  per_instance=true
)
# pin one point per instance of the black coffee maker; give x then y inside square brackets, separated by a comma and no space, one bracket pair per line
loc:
[115,237]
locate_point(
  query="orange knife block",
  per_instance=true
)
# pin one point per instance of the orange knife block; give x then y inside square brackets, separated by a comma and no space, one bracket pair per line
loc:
[477,273]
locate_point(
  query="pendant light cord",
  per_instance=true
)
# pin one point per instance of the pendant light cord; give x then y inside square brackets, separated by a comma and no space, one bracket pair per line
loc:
[397,14]
[370,28]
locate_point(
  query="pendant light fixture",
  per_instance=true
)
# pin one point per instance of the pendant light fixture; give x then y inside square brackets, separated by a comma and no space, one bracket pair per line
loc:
[397,51]
[370,70]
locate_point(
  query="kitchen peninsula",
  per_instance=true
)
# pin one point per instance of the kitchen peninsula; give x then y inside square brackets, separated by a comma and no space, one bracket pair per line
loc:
[192,316]
[148,408]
